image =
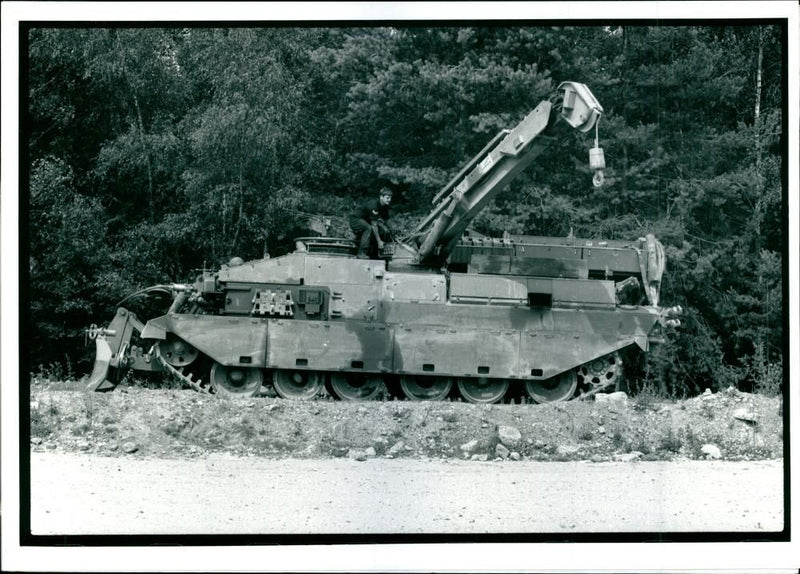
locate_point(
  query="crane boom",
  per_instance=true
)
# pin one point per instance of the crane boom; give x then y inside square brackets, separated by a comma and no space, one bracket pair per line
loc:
[503,158]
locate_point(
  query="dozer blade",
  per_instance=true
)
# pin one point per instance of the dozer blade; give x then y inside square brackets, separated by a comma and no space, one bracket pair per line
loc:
[98,380]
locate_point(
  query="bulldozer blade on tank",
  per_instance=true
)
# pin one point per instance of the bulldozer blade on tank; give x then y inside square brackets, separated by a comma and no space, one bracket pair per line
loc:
[102,364]
[111,346]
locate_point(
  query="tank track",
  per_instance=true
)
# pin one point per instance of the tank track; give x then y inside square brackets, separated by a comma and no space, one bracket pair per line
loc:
[187,379]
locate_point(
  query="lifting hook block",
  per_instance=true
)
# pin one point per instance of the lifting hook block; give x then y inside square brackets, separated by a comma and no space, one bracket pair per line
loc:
[597,162]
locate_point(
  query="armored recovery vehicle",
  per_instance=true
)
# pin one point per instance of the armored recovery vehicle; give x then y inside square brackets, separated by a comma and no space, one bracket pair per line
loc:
[445,313]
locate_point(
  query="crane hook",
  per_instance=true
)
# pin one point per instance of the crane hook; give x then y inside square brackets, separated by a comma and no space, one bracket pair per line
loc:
[597,160]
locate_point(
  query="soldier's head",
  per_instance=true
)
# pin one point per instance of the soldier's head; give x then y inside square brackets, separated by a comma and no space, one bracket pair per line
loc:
[386,196]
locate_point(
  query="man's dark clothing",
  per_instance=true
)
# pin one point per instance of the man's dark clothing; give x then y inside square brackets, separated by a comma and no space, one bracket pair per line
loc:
[371,211]
[361,225]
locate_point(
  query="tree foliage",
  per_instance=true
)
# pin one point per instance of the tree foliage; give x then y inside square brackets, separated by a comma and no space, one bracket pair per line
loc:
[157,151]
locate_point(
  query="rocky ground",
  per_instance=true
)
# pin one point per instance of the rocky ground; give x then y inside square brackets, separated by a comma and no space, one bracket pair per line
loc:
[169,423]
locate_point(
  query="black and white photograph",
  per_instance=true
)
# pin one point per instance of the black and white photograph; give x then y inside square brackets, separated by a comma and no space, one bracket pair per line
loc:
[400,286]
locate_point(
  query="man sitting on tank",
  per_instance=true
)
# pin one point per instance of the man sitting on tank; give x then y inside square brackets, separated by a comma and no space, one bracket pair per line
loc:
[369,225]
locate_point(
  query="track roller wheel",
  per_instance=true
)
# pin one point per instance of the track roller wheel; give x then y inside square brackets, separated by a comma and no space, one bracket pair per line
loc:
[558,388]
[236,381]
[356,386]
[297,385]
[425,388]
[482,390]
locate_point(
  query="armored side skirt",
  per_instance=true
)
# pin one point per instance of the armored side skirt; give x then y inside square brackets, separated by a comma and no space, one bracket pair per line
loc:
[558,341]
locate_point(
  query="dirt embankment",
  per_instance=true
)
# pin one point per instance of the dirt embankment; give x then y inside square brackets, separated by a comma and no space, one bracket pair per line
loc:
[133,421]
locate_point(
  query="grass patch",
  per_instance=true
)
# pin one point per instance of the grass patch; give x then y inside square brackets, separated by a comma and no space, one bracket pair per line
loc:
[450,417]
[671,442]
[44,419]
[585,432]
[647,399]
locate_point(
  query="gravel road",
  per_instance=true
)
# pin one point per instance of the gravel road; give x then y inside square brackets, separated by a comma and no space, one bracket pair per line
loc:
[82,494]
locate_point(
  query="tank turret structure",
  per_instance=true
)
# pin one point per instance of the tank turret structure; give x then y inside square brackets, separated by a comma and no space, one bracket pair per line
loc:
[444,314]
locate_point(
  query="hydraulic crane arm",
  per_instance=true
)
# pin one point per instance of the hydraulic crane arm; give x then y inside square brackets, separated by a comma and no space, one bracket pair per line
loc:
[503,158]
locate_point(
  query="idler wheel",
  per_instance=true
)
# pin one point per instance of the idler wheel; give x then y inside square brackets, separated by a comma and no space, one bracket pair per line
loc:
[297,385]
[356,386]
[482,390]
[234,381]
[425,388]
[558,388]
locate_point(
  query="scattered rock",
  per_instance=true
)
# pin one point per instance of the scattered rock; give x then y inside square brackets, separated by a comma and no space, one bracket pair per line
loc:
[707,392]
[515,456]
[273,407]
[84,445]
[36,440]
[369,451]
[34,405]
[113,446]
[567,449]
[502,451]
[357,454]
[628,456]
[616,397]
[539,444]
[745,415]
[400,410]
[129,447]
[509,436]
[482,457]
[601,430]
[470,446]
[711,451]
[396,449]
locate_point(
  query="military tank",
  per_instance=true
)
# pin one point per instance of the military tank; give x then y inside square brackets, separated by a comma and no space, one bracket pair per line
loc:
[443,313]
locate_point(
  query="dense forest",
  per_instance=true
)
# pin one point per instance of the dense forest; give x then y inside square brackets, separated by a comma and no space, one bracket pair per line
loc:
[153,152]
